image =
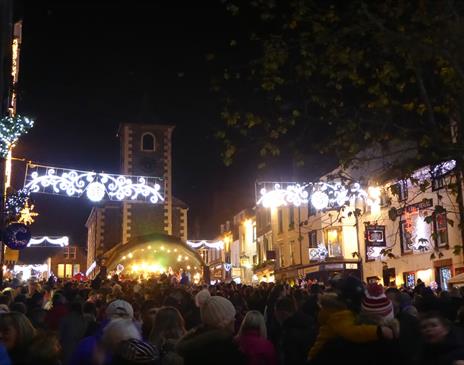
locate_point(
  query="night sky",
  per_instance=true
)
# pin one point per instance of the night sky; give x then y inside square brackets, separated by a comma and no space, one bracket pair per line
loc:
[87,66]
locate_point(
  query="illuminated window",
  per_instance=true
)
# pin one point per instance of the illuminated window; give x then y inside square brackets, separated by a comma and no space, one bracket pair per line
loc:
[441,229]
[148,142]
[334,243]
[76,269]
[415,233]
[61,270]
[68,270]
[409,279]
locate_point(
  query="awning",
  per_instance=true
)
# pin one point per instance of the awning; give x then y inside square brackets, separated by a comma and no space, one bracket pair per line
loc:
[458,279]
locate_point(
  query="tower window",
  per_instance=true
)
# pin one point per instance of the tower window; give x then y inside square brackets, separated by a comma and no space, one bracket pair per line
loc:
[148,142]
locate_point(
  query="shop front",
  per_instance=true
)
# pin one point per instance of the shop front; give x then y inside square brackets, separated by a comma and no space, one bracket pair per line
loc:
[320,272]
[216,273]
[265,273]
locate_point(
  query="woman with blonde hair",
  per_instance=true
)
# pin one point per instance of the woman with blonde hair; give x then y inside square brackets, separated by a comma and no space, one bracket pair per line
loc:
[253,342]
[168,328]
[16,334]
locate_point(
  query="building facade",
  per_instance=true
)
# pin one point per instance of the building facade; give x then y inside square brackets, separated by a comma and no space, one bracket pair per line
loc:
[68,261]
[62,262]
[264,268]
[403,230]
[145,151]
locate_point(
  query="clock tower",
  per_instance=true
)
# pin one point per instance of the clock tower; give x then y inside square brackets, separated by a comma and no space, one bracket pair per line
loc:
[146,151]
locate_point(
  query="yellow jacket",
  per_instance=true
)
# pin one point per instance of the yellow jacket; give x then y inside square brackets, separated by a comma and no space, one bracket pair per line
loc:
[341,323]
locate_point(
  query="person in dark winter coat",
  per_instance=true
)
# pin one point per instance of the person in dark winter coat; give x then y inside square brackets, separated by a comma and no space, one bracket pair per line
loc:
[443,344]
[212,342]
[168,328]
[73,328]
[297,332]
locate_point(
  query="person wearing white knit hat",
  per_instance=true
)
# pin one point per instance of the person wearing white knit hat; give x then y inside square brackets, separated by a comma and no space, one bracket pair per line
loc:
[201,297]
[213,341]
[218,312]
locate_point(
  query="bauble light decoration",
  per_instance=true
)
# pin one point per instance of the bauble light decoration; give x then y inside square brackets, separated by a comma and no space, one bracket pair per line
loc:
[319,200]
[16,236]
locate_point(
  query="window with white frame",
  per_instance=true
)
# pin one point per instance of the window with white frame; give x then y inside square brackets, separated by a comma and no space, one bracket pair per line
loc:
[402,190]
[70,253]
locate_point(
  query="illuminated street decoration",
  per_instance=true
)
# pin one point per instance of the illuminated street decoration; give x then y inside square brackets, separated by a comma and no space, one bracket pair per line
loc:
[319,253]
[15,202]
[27,214]
[11,128]
[91,268]
[440,169]
[52,240]
[322,195]
[283,194]
[218,245]
[96,186]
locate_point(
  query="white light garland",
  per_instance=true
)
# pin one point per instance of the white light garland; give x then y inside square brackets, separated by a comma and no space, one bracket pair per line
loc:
[322,195]
[74,183]
[218,245]
[57,241]
[91,268]
[278,196]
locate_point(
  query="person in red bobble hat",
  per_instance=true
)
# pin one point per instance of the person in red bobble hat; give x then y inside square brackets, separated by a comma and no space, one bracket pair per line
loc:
[377,309]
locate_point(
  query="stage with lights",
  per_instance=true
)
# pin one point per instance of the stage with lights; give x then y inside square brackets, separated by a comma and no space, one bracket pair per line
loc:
[153,255]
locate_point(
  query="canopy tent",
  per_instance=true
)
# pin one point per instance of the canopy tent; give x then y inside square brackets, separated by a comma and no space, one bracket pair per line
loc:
[155,253]
[458,279]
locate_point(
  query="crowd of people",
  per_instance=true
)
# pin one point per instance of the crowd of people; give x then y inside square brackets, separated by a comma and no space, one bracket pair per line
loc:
[158,322]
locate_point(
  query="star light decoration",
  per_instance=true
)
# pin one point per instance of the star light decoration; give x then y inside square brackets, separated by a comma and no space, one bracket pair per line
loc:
[27,214]
[11,128]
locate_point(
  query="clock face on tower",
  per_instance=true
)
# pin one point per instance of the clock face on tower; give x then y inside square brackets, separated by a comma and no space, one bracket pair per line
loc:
[148,165]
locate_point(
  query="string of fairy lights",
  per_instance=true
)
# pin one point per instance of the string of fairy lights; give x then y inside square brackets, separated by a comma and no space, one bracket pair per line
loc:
[11,129]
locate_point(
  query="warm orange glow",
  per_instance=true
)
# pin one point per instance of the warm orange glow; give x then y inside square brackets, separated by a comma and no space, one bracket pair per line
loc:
[332,236]
[8,171]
